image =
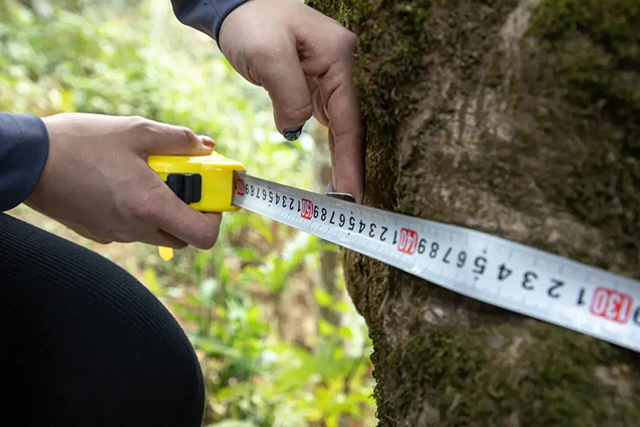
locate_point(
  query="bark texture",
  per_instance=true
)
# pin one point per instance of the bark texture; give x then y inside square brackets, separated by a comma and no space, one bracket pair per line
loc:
[520,118]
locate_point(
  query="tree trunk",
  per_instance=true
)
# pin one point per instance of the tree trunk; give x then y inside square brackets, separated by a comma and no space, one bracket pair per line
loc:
[520,119]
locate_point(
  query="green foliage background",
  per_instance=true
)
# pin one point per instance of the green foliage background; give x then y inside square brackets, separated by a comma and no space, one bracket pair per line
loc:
[250,306]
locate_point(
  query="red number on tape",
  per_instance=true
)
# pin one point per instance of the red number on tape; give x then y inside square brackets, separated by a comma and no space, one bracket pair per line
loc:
[408,241]
[307,209]
[611,305]
[240,187]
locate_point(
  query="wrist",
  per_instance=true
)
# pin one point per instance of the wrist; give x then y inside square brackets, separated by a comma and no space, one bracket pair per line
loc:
[225,8]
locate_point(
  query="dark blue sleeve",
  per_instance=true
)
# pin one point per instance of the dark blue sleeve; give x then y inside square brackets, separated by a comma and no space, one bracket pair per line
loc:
[204,15]
[24,148]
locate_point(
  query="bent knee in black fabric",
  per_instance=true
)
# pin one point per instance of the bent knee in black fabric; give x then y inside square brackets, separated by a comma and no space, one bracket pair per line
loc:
[84,343]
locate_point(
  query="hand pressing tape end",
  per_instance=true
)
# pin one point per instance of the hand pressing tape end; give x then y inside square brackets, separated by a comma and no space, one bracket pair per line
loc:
[205,183]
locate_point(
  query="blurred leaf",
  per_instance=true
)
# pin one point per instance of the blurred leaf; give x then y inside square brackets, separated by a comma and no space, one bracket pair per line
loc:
[343,307]
[323,298]
[345,333]
[325,327]
[207,291]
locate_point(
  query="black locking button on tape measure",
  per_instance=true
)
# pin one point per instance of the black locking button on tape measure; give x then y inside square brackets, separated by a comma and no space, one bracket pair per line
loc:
[188,187]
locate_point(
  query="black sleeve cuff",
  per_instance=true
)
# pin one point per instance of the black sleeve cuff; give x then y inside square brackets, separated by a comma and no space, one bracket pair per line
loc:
[205,15]
[24,148]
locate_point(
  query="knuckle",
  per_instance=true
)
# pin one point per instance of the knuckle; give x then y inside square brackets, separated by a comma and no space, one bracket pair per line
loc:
[144,127]
[138,122]
[188,134]
[350,39]
[347,37]
[346,42]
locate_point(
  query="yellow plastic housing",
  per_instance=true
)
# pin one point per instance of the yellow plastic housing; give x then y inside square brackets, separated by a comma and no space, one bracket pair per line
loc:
[217,177]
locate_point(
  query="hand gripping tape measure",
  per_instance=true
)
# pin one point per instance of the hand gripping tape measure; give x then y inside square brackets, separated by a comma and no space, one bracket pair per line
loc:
[481,266]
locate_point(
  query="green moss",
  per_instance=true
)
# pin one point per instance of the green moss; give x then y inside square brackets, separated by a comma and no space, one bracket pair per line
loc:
[446,380]
[547,380]
[604,74]
[591,50]
[389,62]
[559,381]
[613,23]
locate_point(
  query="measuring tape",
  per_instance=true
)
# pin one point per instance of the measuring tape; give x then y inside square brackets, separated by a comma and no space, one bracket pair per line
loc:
[475,264]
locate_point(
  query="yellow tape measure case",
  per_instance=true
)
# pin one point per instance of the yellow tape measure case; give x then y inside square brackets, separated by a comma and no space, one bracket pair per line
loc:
[203,182]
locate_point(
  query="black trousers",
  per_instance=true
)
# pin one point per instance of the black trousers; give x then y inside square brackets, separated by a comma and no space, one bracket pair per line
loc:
[83,343]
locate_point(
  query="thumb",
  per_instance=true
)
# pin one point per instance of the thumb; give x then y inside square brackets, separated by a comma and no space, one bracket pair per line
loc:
[159,138]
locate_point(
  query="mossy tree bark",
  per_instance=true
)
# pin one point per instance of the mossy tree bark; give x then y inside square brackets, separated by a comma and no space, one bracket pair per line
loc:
[520,118]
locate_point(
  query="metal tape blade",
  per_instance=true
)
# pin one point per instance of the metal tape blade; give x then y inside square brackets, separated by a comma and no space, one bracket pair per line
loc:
[481,266]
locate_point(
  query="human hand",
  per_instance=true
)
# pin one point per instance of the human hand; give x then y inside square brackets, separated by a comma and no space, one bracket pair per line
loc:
[97,181]
[305,61]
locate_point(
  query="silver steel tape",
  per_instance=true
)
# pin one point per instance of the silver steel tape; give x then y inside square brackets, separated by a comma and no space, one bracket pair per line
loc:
[472,263]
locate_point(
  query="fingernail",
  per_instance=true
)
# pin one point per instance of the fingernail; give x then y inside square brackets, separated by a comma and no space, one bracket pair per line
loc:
[292,135]
[208,141]
[331,192]
[341,196]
